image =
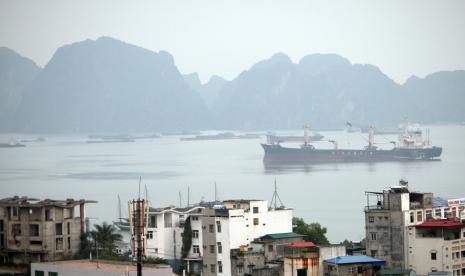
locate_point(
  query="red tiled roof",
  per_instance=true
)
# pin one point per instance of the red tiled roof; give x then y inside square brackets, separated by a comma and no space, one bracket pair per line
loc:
[300,244]
[441,223]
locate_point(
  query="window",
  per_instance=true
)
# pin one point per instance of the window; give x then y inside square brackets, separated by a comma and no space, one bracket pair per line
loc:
[412,218]
[373,253]
[59,244]
[371,219]
[211,228]
[419,216]
[433,255]
[437,213]
[220,248]
[153,221]
[195,217]
[35,242]
[240,269]
[14,211]
[149,235]
[359,269]
[351,270]
[195,234]
[69,243]
[255,210]
[1,225]
[58,229]
[212,249]
[16,230]
[218,226]
[68,228]
[33,230]
[428,214]
[2,243]
[250,268]
[373,236]
[220,267]
[195,249]
[48,214]
[255,221]
[39,273]
[212,268]
[270,247]
[53,274]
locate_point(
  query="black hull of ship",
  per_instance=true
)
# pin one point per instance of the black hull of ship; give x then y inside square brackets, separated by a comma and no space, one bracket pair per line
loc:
[279,154]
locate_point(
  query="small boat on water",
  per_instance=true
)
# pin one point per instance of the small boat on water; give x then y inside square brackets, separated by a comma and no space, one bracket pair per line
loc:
[122,223]
[221,136]
[12,144]
[105,141]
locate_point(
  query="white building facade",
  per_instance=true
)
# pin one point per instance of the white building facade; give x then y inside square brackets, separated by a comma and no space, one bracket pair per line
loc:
[238,223]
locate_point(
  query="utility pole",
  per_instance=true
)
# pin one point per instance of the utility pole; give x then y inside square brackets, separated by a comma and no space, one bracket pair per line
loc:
[138,231]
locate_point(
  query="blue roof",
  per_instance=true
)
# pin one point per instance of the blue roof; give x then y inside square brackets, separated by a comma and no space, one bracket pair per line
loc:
[358,259]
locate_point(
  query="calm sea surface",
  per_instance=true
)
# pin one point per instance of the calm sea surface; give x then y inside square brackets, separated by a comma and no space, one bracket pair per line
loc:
[65,166]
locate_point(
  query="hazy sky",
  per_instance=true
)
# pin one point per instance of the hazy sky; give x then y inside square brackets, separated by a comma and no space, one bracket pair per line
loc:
[222,37]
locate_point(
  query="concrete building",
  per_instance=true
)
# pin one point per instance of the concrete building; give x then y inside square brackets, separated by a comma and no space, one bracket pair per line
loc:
[290,258]
[437,245]
[390,217]
[352,265]
[34,230]
[164,229]
[238,223]
[102,268]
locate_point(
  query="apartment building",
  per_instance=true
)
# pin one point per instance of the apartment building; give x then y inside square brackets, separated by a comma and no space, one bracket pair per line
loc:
[238,223]
[391,221]
[33,230]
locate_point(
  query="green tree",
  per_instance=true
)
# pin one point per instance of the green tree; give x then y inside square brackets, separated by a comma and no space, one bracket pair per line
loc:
[105,236]
[313,232]
[186,238]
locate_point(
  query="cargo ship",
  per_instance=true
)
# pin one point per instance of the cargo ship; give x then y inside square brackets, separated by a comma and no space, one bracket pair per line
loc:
[410,146]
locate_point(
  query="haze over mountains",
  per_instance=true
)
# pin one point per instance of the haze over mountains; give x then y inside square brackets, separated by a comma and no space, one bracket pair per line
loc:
[106,85]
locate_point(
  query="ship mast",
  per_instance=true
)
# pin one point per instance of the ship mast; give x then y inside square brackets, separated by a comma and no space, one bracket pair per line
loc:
[371,137]
[306,136]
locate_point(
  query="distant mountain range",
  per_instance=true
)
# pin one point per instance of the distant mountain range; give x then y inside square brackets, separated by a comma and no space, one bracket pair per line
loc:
[106,85]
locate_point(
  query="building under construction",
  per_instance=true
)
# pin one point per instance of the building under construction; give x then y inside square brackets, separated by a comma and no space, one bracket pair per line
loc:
[33,230]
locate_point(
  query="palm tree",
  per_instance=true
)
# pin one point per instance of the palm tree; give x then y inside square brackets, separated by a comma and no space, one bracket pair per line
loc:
[105,236]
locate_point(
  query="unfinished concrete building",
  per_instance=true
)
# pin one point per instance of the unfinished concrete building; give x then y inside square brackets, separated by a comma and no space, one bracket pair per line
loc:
[33,230]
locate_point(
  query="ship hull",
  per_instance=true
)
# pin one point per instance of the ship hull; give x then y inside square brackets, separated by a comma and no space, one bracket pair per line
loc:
[279,154]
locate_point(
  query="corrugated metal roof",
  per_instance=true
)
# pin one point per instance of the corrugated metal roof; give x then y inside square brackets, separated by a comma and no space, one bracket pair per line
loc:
[300,244]
[359,259]
[282,236]
[441,223]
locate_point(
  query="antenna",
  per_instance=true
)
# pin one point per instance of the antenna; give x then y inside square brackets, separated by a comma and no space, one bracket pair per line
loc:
[216,198]
[275,198]
[188,196]
[146,193]
[180,199]
[140,180]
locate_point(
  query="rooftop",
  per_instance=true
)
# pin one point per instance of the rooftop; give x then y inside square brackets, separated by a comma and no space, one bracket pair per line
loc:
[359,259]
[281,236]
[441,223]
[174,209]
[300,244]
[106,266]
[25,201]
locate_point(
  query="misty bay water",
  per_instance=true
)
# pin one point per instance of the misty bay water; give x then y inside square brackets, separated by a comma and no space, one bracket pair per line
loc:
[65,166]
